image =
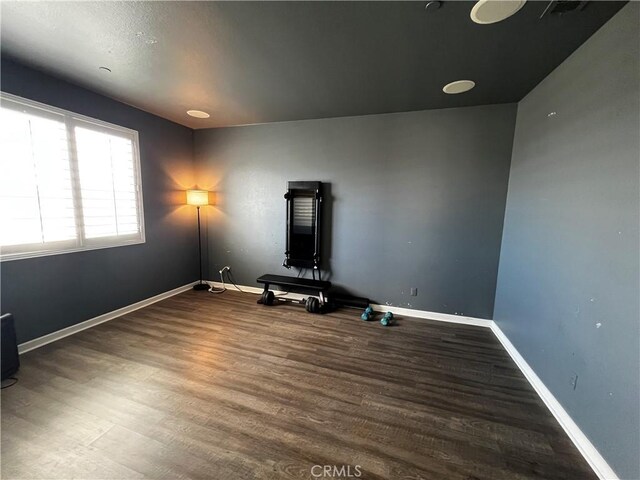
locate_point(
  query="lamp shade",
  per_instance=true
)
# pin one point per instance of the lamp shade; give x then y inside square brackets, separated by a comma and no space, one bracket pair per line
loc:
[197,198]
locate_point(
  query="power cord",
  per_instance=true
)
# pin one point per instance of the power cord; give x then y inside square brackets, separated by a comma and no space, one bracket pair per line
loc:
[231,278]
[224,287]
[233,281]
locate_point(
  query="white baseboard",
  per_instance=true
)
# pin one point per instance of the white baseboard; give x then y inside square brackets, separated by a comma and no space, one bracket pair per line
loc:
[579,439]
[441,317]
[78,327]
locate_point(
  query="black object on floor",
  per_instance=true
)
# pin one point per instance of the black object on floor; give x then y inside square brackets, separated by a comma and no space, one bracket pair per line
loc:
[10,359]
[343,300]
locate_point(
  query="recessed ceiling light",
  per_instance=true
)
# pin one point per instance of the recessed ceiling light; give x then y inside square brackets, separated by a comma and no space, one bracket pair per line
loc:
[485,12]
[459,86]
[198,114]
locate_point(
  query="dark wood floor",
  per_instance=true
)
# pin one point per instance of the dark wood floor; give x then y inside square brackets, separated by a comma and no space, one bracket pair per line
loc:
[217,387]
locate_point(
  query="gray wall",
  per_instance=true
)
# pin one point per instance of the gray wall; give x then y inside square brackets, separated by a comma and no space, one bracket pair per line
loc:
[49,293]
[418,201]
[568,287]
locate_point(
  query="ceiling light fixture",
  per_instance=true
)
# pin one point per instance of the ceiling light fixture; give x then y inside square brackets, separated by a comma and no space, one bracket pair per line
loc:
[459,86]
[486,12]
[198,114]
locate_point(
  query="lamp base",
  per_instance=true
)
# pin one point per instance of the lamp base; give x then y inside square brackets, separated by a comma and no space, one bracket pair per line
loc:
[201,286]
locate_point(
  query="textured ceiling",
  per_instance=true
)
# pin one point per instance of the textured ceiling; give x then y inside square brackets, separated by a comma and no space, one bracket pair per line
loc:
[254,62]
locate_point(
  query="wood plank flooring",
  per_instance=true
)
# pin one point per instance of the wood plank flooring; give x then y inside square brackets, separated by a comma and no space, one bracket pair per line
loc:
[216,387]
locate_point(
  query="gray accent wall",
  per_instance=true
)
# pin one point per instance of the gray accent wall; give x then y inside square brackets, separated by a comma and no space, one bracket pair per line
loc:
[568,286]
[48,293]
[415,200]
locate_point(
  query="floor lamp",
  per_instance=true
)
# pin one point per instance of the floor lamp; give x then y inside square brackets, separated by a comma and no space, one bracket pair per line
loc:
[199,198]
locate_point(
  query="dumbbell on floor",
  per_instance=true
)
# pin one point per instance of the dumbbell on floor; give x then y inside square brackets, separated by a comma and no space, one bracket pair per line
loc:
[387,319]
[312,304]
[366,315]
[267,298]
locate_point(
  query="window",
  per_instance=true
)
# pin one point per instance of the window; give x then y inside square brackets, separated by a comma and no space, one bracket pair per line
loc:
[67,182]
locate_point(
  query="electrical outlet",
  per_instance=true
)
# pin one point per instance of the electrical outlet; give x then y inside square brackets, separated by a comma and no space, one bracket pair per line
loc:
[574,380]
[414,292]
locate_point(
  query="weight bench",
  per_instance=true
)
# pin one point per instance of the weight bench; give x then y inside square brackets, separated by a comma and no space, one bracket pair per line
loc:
[296,285]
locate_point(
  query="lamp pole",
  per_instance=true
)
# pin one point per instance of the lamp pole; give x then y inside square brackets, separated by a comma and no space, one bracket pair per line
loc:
[201,285]
[199,198]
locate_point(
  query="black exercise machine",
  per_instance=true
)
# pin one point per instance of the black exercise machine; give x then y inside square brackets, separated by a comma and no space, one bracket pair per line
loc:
[304,228]
[304,225]
[303,250]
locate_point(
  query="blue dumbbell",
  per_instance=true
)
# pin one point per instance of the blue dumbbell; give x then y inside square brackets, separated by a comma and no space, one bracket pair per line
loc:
[387,319]
[366,315]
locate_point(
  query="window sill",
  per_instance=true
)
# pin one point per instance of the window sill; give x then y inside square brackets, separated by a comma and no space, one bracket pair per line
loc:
[45,253]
